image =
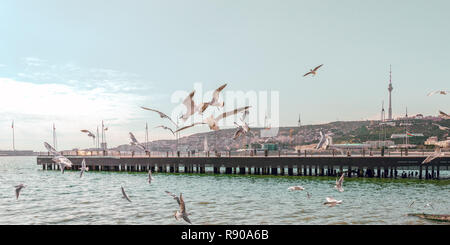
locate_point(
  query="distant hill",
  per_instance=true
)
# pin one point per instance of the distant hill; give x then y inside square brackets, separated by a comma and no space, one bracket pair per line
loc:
[289,137]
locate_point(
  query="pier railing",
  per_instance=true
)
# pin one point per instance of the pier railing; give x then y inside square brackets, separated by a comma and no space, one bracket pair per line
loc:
[253,153]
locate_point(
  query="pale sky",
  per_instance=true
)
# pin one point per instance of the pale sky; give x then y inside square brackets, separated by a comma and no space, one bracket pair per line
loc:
[76,63]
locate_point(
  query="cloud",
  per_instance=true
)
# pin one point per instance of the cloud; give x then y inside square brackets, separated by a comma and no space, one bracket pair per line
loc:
[34,107]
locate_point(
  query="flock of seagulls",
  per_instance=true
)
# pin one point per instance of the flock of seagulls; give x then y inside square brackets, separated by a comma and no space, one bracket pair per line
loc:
[330,201]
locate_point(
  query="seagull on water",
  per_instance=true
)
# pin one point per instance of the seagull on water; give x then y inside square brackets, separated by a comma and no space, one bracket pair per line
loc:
[296,188]
[331,202]
[444,115]
[443,92]
[125,194]
[182,212]
[18,189]
[213,122]
[428,205]
[83,167]
[437,153]
[162,115]
[150,178]
[313,71]
[339,183]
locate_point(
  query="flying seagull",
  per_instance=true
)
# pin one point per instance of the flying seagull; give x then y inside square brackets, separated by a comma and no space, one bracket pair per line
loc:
[443,92]
[215,99]
[90,134]
[18,189]
[63,162]
[441,127]
[125,194]
[190,106]
[444,115]
[58,158]
[83,167]
[166,128]
[136,143]
[296,188]
[322,141]
[437,153]
[339,183]
[150,178]
[331,202]
[313,71]
[213,122]
[51,149]
[162,115]
[182,213]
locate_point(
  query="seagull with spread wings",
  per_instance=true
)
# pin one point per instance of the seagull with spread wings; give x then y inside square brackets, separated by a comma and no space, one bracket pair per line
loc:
[215,98]
[313,71]
[437,153]
[331,202]
[125,194]
[443,92]
[339,183]
[441,127]
[213,122]
[83,167]
[18,189]
[166,128]
[136,143]
[182,212]
[444,115]
[90,134]
[58,158]
[162,115]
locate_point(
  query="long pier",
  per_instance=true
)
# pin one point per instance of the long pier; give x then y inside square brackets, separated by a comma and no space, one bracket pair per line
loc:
[404,166]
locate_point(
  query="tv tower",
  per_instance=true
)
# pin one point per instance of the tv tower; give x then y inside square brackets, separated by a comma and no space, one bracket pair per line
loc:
[390,88]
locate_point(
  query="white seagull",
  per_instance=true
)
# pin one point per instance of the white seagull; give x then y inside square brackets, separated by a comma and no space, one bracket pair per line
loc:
[441,127]
[90,134]
[443,92]
[51,149]
[444,115]
[428,205]
[322,141]
[339,183]
[18,189]
[215,99]
[182,213]
[190,106]
[313,71]
[136,143]
[332,202]
[166,128]
[150,178]
[437,153]
[296,188]
[162,115]
[213,122]
[58,158]
[83,167]
[125,194]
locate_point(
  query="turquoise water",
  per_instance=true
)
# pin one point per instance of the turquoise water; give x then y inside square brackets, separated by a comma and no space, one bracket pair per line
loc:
[54,198]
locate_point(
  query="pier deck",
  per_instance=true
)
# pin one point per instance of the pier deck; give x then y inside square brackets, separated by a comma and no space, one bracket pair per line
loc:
[323,165]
